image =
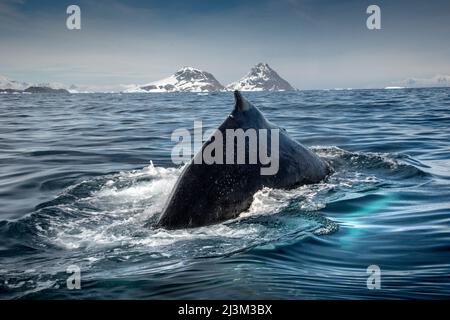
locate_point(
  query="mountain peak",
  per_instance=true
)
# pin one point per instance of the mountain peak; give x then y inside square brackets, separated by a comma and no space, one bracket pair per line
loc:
[187,68]
[261,78]
[261,66]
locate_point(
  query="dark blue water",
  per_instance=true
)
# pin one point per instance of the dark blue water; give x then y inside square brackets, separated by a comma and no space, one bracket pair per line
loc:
[77,187]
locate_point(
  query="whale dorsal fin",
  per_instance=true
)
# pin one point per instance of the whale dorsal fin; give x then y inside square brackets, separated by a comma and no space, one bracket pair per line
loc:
[240,103]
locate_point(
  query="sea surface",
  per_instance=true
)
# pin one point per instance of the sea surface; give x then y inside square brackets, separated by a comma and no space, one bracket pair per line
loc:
[81,175]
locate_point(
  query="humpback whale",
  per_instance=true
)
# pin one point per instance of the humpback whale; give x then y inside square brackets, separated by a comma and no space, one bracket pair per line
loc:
[209,193]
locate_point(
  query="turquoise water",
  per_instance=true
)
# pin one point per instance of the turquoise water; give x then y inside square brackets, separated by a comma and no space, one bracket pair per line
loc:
[77,187]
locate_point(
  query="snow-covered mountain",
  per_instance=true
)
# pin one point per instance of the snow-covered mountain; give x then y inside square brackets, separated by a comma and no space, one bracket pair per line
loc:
[261,78]
[6,83]
[187,79]
[9,85]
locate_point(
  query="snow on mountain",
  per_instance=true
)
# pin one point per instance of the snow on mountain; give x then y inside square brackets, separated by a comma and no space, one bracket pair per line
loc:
[261,78]
[10,85]
[393,88]
[81,89]
[6,83]
[52,85]
[187,79]
[55,86]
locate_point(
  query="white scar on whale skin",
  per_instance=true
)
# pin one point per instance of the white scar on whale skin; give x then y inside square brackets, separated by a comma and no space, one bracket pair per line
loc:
[213,152]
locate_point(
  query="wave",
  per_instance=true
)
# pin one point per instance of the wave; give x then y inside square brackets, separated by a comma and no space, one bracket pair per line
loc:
[104,218]
[112,210]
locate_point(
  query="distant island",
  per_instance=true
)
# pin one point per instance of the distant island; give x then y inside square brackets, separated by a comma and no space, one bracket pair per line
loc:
[34,89]
[261,77]
[13,86]
[188,79]
[45,90]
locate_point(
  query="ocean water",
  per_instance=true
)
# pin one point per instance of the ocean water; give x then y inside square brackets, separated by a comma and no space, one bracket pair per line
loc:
[80,176]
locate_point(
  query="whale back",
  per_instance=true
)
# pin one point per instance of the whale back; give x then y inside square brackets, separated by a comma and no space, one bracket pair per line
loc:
[210,193]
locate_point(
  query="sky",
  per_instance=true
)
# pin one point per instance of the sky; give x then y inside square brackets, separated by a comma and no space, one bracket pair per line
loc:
[313,44]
